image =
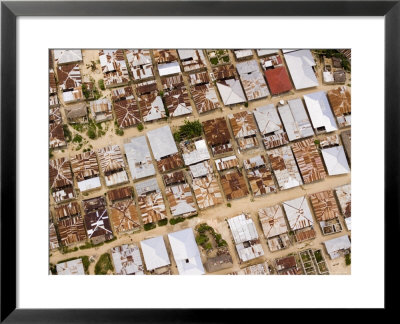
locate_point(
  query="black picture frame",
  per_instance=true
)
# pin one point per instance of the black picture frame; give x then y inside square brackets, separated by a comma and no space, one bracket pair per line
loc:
[9,13]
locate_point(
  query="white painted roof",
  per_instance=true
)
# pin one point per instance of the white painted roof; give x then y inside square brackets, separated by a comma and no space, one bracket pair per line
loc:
[162,142]
[242,228]
[89,184]
[139,158]
[154,253]
[186,253]
[169,68]
[67,56]
[335,160]
[320,111]
[298,213]
[300,63]
[333,246]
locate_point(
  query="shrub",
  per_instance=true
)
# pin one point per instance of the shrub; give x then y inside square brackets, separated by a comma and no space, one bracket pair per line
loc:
[50,153]
[86,263]
[67,133]
[103,264]
[163,222]
[316,142]
[111,240]
[149,226]
[177,137]
[161,93]
[226,59]
[348,259]
[176,220]
[201,239]
[119,132]
[208,246]
[85,91]
[140,127]
[77,138]
[188,130]
[222,243]
[88,245]
[246,104]
[214,60]
[101,84]
[229,205]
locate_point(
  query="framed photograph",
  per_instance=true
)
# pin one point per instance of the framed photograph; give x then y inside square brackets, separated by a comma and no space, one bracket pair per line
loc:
[193,153]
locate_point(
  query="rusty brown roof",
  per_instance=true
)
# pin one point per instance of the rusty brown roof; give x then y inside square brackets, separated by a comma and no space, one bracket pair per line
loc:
[67,210]
[85,166]
[216,131]
[234,185]
[120,193]
[224,72]
[165,55]
[56,131]
[71,230]
[174,178]
[324,205]
[124,216]
[60,173]
[93,204]
[243,124]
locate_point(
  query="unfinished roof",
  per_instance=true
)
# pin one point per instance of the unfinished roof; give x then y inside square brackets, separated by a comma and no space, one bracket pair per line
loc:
[67,56]
[61,183]
[205,97]
[340,100]
[243,124]
[343,194]
[120,193]
[272,221]
[72,230]
[186,253]
[231,91]
[113,165]
[259,175]
[244,231]
[140,64]
[86,170]
[151,202]
[324,205]
[124,216]
[320,112]
[335,160]
[127,260]
[284,167]
[298,213]
[113,66]
[56,131]
[252,79]
[217,135]
[309,161]
[151,106]
[98,225]
[270,126]
[335,246]
[207,191]
[278,80]
[73,267]
[346,140]
[194,151]
[295,120]
[69,76]
[101,109]
[53,240]
[300,64]
[66,210]
[234,185]
[155,253]
[139,158]
[192,59]
[177,102]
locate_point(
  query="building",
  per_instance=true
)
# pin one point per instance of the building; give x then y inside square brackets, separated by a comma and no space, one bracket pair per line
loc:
[179,195]
[265,52]
[125,107]
[259,175]
[256,269]
[114,68]
[228,84]
[234,185]
[167,61]
[270,126]
[274,227]
[151,106]
[226,163]
[150,200]
[278,80]
[287,266]
[127,260]
[77,113]
[97,222]
[295,120]
[340,101]
[301,65]
[61,182]
[123,212]
[70,82]
[155,253]
[52,82]
[139,159]
[343,194]
[164,149]
[333,72]
[112,165]
[53,240]
[177,102]
[186,253]
[172,82]
[66,210]
[73,267]
[252,80]
[320,112]
[86,171]
[194,151]
[245,237]
[53,101]
[335,160]
[217,135]
[300,219]
[192,59]
[101,110]
[244,129]
[326,211]
[67,56]
[285,169]
[146,87]
[271,62]
[309,161]
[203,93]
[56,131]
[338,246]
[241,54]
[140,64]
[71,230]
[346,140]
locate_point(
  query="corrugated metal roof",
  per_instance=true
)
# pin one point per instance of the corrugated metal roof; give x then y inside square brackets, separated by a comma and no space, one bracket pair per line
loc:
[300,64]
[320,111]
[73,267]
[155,253]
[139,158]
[335,160]
[340,100]
[127,260]
[194,151]
[67,56]
[298,213]
[162,142]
